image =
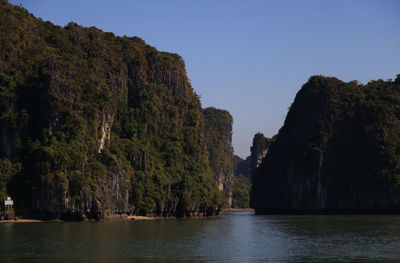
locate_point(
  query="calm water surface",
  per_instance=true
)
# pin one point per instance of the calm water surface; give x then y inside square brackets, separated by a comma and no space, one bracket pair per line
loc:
[233,237]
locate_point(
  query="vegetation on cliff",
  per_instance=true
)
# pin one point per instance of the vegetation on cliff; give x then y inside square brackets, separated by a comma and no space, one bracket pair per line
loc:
[242,166]
[218,137]
[92,123]
[241,182]
[243,170]
[339,150]
[241,192]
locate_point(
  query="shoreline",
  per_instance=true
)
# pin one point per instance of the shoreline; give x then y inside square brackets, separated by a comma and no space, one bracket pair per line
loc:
[134,218]
[116,218]
[142,218]
[111,219]
[227,210]
[329,211]
[23,220]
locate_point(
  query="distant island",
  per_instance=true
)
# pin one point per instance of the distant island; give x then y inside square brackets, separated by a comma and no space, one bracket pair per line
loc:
[337,152]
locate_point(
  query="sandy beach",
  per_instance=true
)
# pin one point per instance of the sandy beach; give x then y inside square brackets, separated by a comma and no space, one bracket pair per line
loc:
[142,218]
[227,210]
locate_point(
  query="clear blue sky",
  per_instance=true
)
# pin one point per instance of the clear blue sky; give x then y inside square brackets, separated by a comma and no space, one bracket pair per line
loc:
[251,57]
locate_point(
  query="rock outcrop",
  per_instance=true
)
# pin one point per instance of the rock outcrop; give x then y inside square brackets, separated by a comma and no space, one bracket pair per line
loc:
[337,152]
[243,170]
[259,150]
[241,182]
[242,166]
[92,124]
[218,137]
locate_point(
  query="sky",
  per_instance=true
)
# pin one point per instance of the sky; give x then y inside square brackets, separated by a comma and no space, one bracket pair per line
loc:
[251,57]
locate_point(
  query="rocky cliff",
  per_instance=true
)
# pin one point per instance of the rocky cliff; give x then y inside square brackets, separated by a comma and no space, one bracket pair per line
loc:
[337,152]
[259,150]
[241,182]
[243,170]
[92,124]
[242,166]
[218,137]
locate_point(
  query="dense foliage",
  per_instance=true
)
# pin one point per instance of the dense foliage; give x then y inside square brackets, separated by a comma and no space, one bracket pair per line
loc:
[339,150]
[218,123]
[88,118]
[241,182]
[218,137]
[242,167]
[241,192]
[243,170]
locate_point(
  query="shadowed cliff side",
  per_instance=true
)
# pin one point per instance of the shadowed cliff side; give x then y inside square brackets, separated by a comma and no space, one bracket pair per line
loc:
[241,182]
[242,166]
[218,136]
[259,150]
[92,124]
[243,170]
[338,151]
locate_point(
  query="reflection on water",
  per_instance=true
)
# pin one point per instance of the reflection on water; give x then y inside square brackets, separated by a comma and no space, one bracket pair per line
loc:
[234,237]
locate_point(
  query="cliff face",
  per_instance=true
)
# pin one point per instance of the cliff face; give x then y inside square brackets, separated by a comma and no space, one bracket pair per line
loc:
[218,137]
[338,151]
[92,124]
[241,182]
[242,167]
[258,150]
[243,170]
